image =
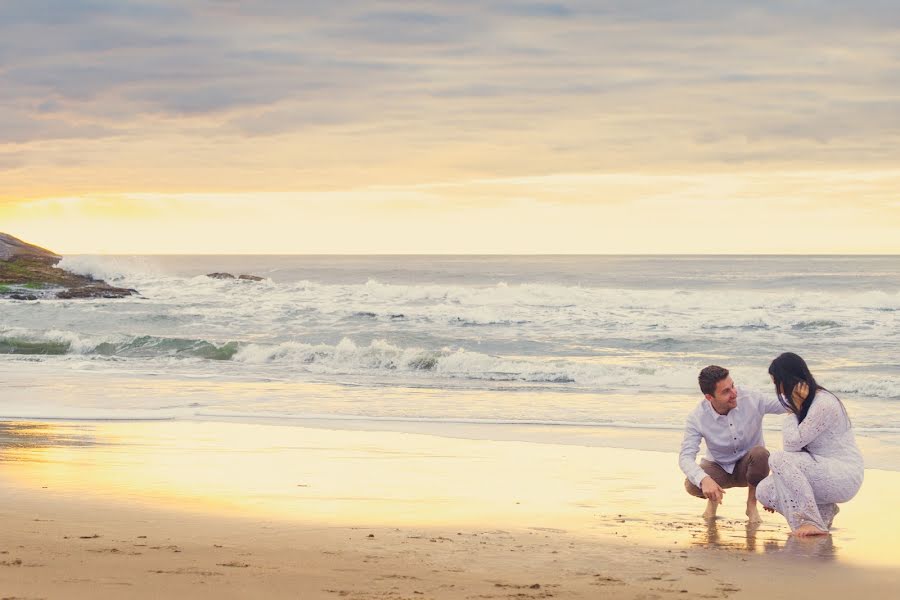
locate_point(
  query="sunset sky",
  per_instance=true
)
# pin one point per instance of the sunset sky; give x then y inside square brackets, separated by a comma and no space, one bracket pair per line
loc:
[226,126]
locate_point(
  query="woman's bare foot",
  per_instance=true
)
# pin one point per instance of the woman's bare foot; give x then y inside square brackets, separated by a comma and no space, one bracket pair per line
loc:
[837,509]
[808,530]
[711,508]
[753,514]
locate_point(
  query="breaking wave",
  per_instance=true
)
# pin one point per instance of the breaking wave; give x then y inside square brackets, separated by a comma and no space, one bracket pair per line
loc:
[145,346]
[344,358]
[390,361]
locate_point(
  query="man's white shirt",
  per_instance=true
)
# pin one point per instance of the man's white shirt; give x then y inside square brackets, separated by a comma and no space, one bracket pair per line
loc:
[728,437]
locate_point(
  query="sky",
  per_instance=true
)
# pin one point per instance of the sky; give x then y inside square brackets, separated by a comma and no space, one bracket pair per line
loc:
[635,127]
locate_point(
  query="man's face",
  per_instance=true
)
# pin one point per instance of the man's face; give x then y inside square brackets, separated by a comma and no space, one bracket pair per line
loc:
[725,397]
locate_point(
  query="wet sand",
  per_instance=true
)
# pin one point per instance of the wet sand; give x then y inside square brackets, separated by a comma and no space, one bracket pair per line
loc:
[223,510]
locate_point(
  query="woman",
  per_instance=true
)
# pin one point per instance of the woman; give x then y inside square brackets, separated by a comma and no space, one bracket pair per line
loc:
[821,464]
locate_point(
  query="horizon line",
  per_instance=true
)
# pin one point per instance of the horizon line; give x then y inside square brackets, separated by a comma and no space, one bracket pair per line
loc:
[498,254]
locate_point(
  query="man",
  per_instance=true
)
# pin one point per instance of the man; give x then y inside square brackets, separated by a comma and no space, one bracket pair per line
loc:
[730,421]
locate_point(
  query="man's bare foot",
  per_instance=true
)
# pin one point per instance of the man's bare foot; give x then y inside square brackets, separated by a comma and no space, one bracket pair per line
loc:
[711,508]
[808,530]
[753,515]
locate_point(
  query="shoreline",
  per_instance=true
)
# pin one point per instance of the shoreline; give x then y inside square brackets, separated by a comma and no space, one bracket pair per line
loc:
[536,416]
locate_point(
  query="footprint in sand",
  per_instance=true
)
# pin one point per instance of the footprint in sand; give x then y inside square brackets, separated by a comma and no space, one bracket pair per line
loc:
[697,570]
[112,551]
[669,590]
[533,586]
[11,563]
[190,571]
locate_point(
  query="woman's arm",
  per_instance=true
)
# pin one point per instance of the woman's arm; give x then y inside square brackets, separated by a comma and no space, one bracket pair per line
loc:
[825,411]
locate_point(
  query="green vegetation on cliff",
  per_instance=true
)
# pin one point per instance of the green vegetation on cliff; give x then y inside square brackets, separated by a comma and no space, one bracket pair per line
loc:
[37,274]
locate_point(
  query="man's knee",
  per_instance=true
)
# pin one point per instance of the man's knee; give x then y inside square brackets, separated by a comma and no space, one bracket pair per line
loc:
[758,468]
[692,489]
[759,456]
[759,453]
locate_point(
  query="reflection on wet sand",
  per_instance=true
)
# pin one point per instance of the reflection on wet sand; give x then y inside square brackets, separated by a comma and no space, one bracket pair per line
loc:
[21,440]
[821,546]
[728,535]
[401,479]
[733,535]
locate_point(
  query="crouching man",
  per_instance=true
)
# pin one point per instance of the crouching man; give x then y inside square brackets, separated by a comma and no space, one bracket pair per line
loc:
[729,420]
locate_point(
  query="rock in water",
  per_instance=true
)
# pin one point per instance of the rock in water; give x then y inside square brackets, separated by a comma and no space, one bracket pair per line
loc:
[102,290]
[221,275]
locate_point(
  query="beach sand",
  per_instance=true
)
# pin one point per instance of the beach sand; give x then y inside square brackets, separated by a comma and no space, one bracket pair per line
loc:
[228,510]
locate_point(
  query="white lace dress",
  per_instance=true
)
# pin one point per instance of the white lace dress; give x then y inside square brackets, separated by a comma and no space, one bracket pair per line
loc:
[819,467]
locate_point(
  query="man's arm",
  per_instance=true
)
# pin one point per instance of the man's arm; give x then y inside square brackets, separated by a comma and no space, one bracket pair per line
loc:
[768,403]
[690,446]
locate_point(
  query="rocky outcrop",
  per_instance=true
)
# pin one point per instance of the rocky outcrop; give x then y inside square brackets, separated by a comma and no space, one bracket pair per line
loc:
[100,290]
[28,272]
[11,247]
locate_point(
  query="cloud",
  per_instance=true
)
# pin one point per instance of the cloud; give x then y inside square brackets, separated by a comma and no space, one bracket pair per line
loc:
[538,9]
[11,160]
[444,89]
[19,127]
[75,12]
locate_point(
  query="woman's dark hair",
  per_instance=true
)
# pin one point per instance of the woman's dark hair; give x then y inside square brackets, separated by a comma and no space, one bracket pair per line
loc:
[787,371]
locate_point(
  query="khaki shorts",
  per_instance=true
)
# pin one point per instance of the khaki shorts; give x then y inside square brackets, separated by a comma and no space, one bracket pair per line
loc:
[750,470]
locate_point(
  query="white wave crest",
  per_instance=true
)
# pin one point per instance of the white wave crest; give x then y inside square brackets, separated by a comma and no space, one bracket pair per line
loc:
[110,268]
[345,357]
[76,343]
[474,365]
[883,386]
[380,356]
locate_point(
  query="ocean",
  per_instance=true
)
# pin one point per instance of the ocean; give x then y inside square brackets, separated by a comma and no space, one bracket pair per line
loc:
[592,350]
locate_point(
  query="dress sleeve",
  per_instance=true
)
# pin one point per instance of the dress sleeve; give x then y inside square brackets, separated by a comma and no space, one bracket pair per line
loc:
[824,412]
[690,446]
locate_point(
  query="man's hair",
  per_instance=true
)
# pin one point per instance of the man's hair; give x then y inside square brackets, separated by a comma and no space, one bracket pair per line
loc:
[709,377]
